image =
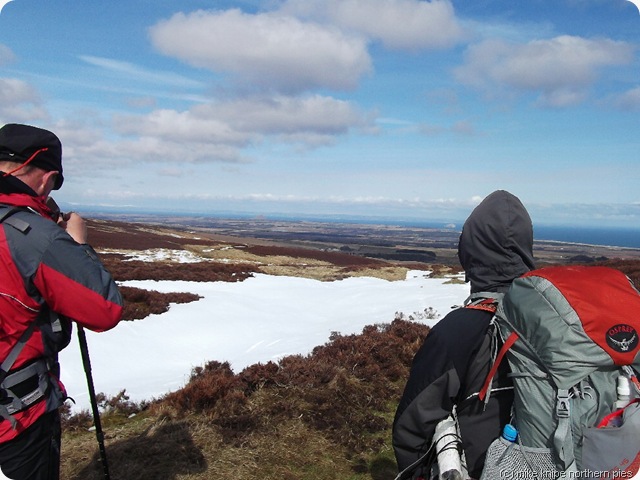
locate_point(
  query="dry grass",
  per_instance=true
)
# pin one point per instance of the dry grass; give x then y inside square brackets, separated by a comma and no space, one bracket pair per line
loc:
[189,448]
[327,273]
[317,265]
[318,417]
[143,448]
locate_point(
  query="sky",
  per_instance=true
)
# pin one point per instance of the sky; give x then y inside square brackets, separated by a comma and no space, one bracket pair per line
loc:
[401,109]
[242,323]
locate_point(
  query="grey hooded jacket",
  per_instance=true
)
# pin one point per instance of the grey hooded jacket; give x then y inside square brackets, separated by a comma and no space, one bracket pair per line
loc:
[496,246]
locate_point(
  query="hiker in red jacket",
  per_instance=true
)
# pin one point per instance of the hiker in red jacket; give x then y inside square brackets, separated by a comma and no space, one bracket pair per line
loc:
[49,277]
[496,246]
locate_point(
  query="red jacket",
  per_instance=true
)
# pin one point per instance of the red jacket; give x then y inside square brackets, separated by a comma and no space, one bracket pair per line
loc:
[43,270]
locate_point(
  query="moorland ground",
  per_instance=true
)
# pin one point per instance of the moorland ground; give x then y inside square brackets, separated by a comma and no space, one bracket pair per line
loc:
[322,416]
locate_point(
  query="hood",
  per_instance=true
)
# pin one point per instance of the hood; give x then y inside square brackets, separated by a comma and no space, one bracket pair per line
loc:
[496,243]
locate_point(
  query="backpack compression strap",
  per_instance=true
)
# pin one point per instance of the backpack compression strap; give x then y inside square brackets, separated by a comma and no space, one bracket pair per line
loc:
[8,363]
[494,368]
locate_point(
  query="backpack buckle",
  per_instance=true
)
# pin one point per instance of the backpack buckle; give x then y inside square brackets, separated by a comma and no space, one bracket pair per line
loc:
[563,407]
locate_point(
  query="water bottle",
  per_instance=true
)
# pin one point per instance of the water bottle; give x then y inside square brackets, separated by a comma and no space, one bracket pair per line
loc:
[447,443]
[509,433]
[624,392]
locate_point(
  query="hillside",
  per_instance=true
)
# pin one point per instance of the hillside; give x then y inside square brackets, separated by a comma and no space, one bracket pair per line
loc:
[323,416]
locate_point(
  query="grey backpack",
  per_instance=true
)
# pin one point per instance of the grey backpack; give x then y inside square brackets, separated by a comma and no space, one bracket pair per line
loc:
[569,333]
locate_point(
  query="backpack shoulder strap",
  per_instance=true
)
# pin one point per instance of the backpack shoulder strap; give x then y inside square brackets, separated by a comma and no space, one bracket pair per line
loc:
[15,351]
[487,301]
[8,363]
[17,348]
[16,223]
[486,387]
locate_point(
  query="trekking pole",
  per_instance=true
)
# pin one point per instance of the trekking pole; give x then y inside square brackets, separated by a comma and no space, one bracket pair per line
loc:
[84,351]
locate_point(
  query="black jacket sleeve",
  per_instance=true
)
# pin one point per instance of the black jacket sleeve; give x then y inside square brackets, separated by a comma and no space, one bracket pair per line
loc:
[436,381]
[428,397]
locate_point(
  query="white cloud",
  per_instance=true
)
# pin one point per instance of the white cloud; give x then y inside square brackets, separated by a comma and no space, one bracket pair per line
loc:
[141,74]
[284,116]
[354,204]
[6,55]
[87,150]
[198,125]
[268,50]
[561,69]
[14,91]
[217,131]
[214,132]
[19,101]
[629,100]
[398,24]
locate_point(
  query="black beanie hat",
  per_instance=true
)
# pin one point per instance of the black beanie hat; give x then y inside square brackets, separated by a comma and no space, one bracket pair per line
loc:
[37,146]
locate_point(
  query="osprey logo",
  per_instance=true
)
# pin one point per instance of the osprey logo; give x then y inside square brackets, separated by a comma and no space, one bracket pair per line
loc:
[622,338]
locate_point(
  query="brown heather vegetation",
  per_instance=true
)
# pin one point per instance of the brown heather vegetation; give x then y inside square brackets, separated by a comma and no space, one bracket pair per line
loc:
[140,303]
[323,416]
[341,389]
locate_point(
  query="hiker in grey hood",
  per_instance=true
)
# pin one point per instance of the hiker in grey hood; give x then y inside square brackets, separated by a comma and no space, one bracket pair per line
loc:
[495,247]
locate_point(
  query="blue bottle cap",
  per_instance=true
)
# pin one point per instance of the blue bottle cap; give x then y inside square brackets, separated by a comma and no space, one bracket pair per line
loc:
[510,432]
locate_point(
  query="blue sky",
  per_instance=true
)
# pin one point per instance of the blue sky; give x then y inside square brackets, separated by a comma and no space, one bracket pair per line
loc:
[395,108]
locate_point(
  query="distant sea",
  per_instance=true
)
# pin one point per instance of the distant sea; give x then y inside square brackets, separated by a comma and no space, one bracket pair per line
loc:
[616,237]
[609,236]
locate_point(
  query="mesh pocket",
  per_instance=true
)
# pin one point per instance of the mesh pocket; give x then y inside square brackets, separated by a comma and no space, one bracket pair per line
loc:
[614,448]
[506,460]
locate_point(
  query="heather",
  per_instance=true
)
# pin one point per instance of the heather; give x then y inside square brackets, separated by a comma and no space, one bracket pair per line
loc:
[326,412]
